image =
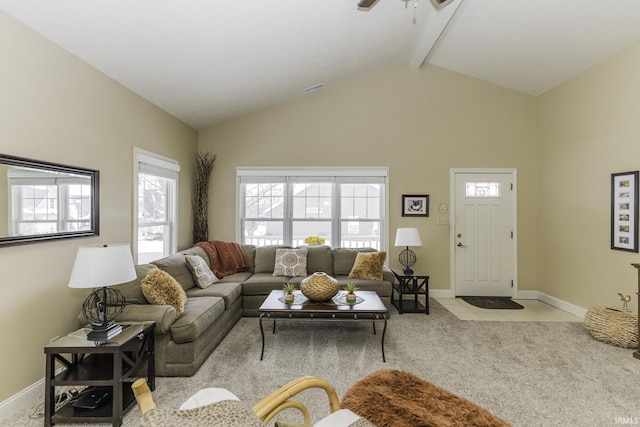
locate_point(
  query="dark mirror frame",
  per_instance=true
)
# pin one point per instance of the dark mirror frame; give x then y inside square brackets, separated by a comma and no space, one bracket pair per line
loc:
[56,167]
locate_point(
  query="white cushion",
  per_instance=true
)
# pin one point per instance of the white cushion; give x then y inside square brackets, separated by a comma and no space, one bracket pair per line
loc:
[207,396]
[340,418]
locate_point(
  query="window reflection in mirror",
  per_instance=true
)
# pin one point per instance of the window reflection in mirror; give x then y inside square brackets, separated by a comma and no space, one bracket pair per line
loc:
[44,201]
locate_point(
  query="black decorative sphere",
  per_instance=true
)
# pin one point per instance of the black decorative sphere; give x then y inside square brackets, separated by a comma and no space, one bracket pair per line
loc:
[407,258]
[103,305]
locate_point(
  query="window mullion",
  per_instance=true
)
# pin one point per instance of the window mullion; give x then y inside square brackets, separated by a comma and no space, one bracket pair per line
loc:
[287,226]
[336,232]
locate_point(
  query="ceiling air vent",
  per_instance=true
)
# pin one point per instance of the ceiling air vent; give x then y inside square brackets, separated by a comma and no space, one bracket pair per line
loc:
[439,4]
[314,88]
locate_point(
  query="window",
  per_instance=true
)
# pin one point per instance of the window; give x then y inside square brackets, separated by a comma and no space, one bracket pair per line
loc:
[482,189]
[155,205]
[283,206]
[45,202]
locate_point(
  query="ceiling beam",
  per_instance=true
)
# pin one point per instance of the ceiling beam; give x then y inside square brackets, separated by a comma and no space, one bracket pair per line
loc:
[433,29]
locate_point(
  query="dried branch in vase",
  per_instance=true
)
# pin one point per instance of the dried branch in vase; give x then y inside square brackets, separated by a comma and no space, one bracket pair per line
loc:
[205,161]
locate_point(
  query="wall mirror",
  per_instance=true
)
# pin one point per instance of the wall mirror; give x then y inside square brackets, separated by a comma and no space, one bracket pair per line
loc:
[44,201]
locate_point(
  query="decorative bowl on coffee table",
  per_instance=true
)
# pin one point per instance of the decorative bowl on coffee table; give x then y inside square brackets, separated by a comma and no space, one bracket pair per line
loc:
[319,287]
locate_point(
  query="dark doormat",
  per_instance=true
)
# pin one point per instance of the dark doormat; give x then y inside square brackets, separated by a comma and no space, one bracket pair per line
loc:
[494,303]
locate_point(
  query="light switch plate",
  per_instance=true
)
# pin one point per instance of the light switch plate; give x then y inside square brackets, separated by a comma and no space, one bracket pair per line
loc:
[442,220]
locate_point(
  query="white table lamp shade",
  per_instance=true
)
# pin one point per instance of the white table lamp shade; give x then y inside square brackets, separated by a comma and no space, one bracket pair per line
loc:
[102,265]
[408,237]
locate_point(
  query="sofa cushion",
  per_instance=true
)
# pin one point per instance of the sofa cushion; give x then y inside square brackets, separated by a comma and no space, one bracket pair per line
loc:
[290,262]
[160,288]
[197,250]
[229,291]
[132,290]
[368,265]
[263,283]
[343,259]
[319,259]
[381,287]
[199,314]
[238,277]
[265,259]
[202,274]
[250,255]
[176,266]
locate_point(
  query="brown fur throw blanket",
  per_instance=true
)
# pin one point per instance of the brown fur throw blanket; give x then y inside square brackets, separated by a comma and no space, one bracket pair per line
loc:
[392,398]
[225,257]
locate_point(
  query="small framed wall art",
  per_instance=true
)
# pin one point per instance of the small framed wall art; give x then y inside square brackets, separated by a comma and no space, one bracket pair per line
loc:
[415,205]
[624,211]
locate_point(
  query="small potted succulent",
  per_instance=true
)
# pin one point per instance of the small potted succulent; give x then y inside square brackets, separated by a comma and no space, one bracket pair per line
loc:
[351,296]
[288,290]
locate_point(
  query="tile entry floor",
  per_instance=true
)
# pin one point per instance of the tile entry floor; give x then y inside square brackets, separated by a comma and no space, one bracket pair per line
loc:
[534,311]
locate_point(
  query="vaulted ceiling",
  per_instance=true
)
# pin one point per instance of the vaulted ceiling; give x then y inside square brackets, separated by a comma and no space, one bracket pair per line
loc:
[206,61]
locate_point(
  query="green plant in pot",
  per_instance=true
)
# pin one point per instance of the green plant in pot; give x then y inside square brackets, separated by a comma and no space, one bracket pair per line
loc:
[288,290]
[351,288]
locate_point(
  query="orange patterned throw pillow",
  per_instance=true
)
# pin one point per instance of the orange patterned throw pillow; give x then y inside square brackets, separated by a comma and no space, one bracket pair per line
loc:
[368,265]
[160,288]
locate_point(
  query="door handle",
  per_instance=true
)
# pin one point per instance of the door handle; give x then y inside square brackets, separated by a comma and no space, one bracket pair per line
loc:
[460,245]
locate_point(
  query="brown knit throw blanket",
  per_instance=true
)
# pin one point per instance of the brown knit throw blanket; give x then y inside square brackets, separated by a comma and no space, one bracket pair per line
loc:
[225,257]
[392,398]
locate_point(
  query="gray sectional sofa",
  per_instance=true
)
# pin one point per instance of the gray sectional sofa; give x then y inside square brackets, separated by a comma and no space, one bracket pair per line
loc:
[183,343]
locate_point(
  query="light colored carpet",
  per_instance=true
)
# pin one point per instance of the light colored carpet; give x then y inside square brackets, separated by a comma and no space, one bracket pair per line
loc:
[527,373]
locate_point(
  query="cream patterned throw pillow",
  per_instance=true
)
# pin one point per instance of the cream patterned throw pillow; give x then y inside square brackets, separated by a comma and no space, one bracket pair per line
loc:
[202,274]
[290,262]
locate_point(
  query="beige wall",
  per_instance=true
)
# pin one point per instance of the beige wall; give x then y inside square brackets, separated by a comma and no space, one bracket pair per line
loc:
[56,108]
[418,123]
[589,130]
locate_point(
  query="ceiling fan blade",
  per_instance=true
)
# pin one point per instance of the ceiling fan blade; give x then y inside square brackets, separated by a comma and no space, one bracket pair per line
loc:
[366,4]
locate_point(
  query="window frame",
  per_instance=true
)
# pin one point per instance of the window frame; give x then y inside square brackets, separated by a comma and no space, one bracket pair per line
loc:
[291,176]
[167,168]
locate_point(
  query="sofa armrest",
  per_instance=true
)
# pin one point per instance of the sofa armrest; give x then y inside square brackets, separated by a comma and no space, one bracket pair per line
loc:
[387,275]
[163,315]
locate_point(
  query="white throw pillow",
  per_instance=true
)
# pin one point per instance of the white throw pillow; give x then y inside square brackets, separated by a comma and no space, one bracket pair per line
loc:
[202,274]
[290,262]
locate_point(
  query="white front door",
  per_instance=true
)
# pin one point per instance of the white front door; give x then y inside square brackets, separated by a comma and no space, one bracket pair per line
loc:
[483,233]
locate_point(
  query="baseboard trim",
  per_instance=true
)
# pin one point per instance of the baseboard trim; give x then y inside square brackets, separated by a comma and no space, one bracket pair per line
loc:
[21,400]
[562,304]
[441,293]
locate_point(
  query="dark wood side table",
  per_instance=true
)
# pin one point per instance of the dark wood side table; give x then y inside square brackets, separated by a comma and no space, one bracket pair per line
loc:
[411,285]
[115,364]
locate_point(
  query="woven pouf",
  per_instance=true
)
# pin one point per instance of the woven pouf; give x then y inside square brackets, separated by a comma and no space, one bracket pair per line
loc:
[613,326]
[319,287]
